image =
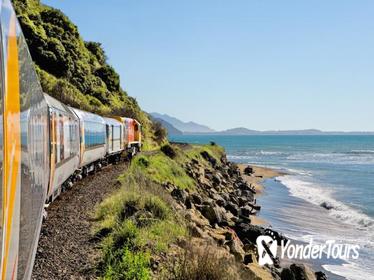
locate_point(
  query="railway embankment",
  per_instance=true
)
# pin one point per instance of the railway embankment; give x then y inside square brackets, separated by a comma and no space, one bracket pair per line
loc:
[184,212]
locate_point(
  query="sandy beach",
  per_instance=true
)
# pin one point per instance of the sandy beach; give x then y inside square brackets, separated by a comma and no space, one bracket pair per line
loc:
[259,174]
[255,179]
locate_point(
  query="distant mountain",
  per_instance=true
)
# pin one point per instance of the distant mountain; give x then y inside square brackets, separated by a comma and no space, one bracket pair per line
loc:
[195,128]
[170,128]
[237,131]
[185,127]
[246,131]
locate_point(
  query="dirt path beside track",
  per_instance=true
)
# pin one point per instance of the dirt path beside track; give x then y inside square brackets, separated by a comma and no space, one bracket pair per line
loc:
[65,250]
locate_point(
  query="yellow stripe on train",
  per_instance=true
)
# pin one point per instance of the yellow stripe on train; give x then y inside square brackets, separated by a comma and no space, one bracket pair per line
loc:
[12,157]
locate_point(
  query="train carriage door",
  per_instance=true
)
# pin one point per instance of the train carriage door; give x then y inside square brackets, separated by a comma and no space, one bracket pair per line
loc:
[136,131]
[53,147]
[125,134]
[67,136]
[57,137]
[61,140]
[109,137]
[113,135]
[121,136]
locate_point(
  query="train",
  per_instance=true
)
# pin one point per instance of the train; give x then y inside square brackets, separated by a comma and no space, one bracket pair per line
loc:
[81,142]
[45,146]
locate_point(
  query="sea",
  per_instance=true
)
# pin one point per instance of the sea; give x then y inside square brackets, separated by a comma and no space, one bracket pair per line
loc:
[337,171]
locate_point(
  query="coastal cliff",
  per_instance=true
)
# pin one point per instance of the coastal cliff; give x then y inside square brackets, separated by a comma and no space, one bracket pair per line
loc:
[74,71]
[186,212]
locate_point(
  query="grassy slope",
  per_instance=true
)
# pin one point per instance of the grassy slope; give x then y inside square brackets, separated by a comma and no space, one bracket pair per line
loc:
[140,221]
[71,70]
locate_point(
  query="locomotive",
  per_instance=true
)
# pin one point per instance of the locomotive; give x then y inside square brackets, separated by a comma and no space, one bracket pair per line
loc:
[45,146]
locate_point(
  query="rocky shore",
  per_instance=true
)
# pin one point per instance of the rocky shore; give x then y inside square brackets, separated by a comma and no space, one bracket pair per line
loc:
[222,210]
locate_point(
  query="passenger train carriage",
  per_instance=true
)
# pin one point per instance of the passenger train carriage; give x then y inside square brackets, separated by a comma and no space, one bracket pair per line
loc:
[44,147]
[92,140]
[64,146]
[115,133]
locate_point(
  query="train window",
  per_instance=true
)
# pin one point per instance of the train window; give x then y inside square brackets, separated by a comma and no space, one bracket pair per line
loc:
[56,137]
[73,137]
[67,135]
[116,132]
[120,135]
[61,128]
[94,134]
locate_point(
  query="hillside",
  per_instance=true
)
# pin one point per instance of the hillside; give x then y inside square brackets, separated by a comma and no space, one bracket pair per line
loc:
[72,70]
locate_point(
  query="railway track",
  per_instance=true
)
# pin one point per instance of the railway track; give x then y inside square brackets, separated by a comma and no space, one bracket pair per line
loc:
[65,249]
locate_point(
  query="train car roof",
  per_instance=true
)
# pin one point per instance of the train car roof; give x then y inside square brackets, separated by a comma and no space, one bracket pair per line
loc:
[54,103]
[131,119]
[111,121]
[123,119]
[87,116]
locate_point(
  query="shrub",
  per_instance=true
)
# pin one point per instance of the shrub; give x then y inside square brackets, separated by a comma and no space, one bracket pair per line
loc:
[143,162]
[160,132]
[169,151]
[157,207]
[198,263]
[133,224]
[130,266]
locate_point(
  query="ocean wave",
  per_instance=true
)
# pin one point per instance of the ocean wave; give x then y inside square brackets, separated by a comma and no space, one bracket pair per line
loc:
[333,158]
[363,152]
[350,157]
[270,153]
[259,153]
[317,195]
[351,271]
[298,171]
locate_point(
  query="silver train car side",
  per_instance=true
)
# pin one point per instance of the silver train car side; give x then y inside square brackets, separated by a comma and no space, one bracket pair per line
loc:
[24,151]
[64,147]
[115,132]
[93,140]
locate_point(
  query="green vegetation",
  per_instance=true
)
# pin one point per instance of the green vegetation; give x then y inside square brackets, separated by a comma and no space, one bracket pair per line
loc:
[136,223]
[140,221]
[214,151]
[161,169]
[73,71]
[202,263]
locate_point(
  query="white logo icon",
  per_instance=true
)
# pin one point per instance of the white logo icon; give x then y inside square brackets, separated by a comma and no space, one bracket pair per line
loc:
[267,249]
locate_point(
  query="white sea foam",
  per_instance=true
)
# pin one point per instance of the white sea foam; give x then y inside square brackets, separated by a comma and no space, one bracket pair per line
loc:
[317,195]
[349,157]
[350,271]
[352,157]
[362,152]
[299,171]
[359,230]
[269,153]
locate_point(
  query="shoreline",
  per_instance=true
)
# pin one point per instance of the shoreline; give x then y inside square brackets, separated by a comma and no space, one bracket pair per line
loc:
[256,179]
[260,173]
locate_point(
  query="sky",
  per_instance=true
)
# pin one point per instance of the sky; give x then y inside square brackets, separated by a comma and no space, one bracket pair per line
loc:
[242,63]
